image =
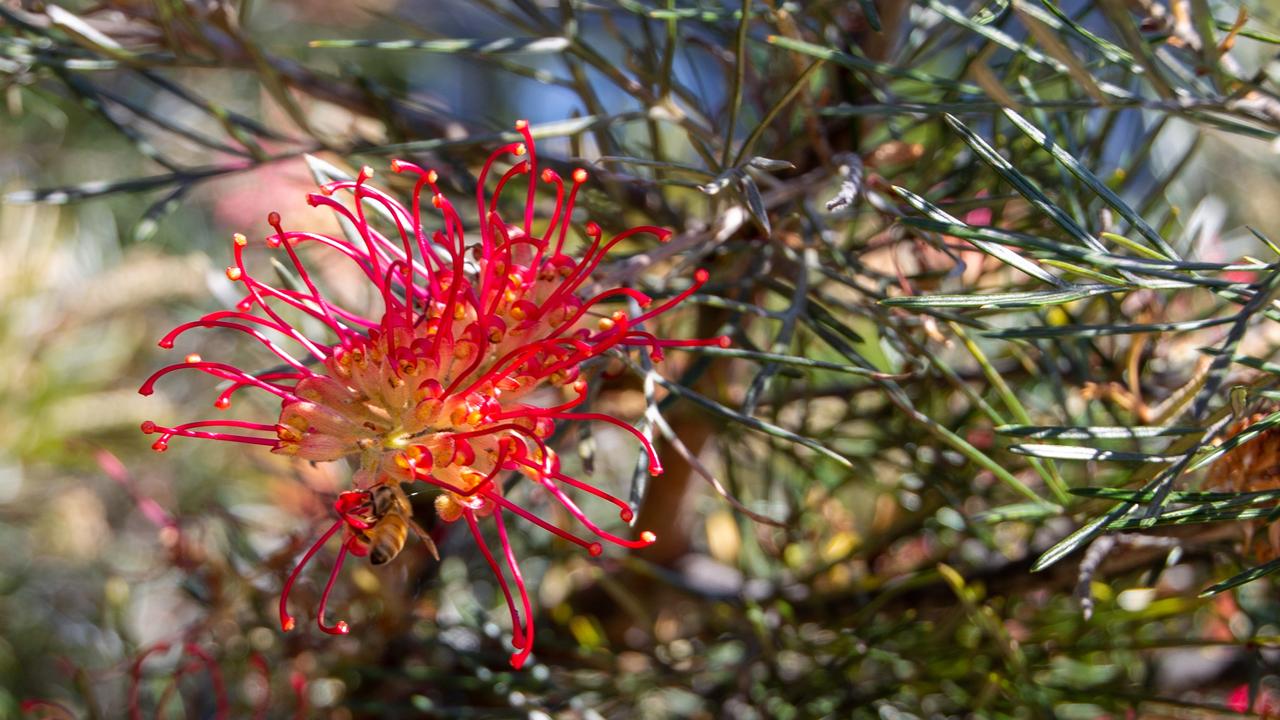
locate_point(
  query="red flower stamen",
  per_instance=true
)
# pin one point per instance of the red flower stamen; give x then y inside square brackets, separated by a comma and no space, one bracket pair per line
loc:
[579,177]
[167,341]
[526,647]
[592,547]
[49,709]
[625,513]
[220,370]
[646,538]
[655,465]
[340,627]
[287,621]
[517,629]
[222,705]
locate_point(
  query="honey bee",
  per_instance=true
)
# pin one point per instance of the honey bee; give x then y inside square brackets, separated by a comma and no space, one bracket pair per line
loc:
[389,520]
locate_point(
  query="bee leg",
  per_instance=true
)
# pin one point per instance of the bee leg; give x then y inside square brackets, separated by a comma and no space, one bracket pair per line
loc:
[425,538]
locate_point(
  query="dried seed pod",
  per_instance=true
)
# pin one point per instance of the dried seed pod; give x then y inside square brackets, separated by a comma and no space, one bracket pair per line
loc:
[1251,467]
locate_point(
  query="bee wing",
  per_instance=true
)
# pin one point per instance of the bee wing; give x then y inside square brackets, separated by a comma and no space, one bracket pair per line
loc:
[425,538]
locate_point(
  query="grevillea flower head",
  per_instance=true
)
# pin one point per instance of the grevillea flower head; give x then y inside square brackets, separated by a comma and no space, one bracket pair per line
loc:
[447,386]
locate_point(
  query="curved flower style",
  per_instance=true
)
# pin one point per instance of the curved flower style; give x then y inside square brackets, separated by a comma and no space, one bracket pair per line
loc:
[441,388]
[199,658]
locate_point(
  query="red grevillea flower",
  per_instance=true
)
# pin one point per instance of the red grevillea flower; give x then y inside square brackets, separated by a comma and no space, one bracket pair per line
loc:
[448,386]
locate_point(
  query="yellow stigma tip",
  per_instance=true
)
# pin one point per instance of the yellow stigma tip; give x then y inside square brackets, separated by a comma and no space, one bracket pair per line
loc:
[579,175]
[240,239]
[234,274]
[193,358]
[522,124]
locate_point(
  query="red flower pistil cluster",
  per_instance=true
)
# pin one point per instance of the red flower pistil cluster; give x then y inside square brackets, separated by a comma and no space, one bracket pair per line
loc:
[448,386]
